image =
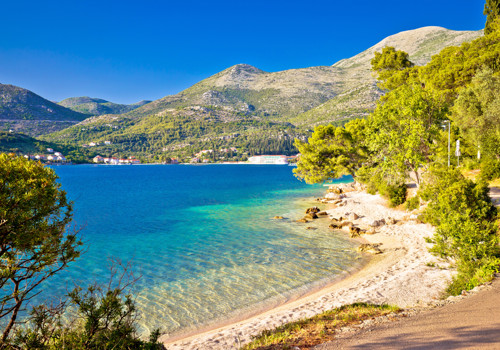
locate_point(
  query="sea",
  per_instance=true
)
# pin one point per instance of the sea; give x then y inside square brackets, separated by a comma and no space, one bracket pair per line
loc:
[200,239]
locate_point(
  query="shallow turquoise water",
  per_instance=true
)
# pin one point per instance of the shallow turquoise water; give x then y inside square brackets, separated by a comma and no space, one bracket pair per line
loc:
[202,238]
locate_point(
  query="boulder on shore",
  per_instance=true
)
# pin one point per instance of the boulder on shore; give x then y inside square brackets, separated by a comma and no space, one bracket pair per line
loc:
[313,210]
[311,216]
[277,217]
[322,213]
[303,220]
[370,248]
[354,231]
[378,223]
[353,216]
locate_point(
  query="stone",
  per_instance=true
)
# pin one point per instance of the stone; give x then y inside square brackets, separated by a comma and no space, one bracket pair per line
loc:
[313,210]
[378,223]
[277,217]
[302,220]
[354,231]
[371,231]
[370,248]
[322,213]
[390,221]
[335,190]
[335,226]
[347,224]
[353,216]
[310,228]
[337,221]
[311,216]
[331,195]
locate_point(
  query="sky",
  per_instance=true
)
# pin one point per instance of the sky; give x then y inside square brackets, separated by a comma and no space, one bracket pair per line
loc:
[127,51]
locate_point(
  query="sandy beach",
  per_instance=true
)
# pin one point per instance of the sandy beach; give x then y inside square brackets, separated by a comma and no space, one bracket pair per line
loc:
[403,275]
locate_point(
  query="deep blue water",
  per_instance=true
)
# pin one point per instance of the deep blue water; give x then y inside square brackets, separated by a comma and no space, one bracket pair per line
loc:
[202,238]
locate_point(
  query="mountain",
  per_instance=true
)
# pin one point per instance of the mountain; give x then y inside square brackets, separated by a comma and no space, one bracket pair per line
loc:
[257,111]
[23,110]
[96,106]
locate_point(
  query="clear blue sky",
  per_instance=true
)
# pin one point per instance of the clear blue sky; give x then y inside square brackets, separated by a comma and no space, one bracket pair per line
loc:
[126,51]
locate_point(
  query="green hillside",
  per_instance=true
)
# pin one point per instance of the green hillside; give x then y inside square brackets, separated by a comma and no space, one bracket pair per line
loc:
[254,110]
[23,110]
[96,106]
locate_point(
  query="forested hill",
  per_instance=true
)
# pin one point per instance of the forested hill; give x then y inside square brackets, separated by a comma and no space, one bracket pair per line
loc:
[97,106]
[254,110]
[25,111]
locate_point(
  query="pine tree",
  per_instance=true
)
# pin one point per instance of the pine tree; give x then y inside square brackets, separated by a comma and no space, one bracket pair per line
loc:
[491,11]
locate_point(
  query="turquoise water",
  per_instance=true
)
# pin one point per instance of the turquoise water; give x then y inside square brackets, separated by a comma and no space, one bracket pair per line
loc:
[202,238]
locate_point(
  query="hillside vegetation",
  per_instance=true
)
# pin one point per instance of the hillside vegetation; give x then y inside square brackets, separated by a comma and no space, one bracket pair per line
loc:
[251,109]
[96,106]
[24,111]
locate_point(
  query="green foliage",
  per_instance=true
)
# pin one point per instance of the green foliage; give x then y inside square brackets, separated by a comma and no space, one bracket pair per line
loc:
[476,112]
[307,333]
[34,244]
[492,12]
[454,67]
[403,131]
[331,152]
[464,217]
[99,318]
[490,169]
[392,67]
[472,276]
[413,203]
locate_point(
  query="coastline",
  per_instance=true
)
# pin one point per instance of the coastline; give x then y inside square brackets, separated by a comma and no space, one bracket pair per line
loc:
[401,276]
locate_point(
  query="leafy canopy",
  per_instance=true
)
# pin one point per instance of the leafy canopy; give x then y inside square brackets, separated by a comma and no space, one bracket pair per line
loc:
[34,244]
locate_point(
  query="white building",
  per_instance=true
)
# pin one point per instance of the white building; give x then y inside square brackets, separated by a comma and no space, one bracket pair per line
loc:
[268,159]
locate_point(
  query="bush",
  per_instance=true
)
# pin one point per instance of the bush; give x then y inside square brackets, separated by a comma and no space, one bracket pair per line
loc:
[375,182]
[490,169]
[466,228]
[474,276]
[413,203]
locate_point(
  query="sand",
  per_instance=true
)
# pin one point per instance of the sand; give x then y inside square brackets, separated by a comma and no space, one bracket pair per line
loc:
[402,275]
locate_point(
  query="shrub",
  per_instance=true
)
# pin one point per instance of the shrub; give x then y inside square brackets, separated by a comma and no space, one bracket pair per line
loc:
[466,230]
[412,203]
[490,169]
[396,194]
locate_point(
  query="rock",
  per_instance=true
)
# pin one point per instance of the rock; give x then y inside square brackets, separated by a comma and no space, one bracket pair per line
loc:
[353,216]
[354,231]
[331,195]
[335,226]
[338,201]
[335,190]
[390,221]
[313,210]
[378,223]
[310,228]
[370,248]
[337,221]
[311,216]
[346,224]
[277,217]
[322,213]
[303,220]
[370,231]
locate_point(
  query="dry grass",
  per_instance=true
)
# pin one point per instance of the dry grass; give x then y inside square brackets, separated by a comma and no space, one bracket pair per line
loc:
[319,329]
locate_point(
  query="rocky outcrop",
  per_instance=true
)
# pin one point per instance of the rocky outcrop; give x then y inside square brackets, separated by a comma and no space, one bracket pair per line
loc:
[370,248]
[313,210]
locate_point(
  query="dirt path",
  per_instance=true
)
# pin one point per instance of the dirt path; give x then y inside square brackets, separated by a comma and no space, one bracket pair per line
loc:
[472,323]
